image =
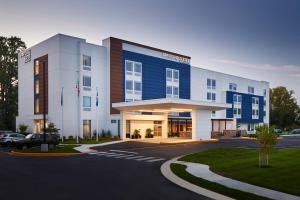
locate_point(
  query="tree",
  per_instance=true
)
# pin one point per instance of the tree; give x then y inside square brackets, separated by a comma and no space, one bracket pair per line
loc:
[23,128]
[9,47]
[51,128]
[266,138]
[283,107]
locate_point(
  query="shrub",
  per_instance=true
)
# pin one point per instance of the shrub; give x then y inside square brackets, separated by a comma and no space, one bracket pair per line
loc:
[103,133]
[52,129]
[136,134]
[23,128]
[149,133]
[108,134]
[71,137]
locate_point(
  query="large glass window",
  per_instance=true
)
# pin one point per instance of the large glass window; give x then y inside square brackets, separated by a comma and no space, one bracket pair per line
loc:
[87,60]
[87,101]
[211,83]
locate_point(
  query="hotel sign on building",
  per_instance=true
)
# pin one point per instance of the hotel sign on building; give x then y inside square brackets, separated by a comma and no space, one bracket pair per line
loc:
[176,58]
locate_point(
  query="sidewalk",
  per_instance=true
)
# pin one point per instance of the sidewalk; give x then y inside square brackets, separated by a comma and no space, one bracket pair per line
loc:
[203,171]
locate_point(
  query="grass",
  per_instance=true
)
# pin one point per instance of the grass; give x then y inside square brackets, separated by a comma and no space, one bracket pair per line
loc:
[180,171]
[57,149]
[242,164]
[89,141]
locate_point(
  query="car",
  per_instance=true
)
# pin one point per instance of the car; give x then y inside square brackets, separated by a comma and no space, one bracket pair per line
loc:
[9,139]
[2,133]
[278,130]
[295,131]
[36,139]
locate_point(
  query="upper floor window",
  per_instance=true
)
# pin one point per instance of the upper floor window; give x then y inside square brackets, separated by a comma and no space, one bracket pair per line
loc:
[172,75]
[87,103]
[87,82]
[172,92]
[37,86]
[211,83]
[255,114]
[169,91]
[175,92]
[265,92]
[213,113]
[232,86]
[211,96]
[237,98]
[137,87]
[237,112]
[87,60]
[169,74]
[37,67]
[133,68]
[37,105]
[255,100]
[129,67]
[129,86]
[175,75]
[250,90]
[138,69]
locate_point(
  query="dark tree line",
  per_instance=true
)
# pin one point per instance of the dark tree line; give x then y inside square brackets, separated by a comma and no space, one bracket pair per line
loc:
[9,47]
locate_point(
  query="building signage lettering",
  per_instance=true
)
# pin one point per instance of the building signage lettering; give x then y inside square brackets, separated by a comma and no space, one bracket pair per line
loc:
[176,58]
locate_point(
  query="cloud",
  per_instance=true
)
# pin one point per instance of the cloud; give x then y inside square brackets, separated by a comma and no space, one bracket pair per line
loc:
[293,70]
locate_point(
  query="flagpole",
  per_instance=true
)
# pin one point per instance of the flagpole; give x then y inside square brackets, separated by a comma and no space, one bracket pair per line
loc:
[62,114]
[97,134]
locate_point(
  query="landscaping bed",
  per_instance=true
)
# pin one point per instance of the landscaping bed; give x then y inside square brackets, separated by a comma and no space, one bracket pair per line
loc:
[90,141]
[242,164]
[57,149]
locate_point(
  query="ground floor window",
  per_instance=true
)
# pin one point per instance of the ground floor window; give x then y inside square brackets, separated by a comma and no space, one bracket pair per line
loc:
[251,127]
[180,128]
[157,130]
[87,128]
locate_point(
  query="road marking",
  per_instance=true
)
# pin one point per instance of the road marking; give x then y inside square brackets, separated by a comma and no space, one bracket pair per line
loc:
[154,160]
[104,154]
[146,158]
[134,157]
[113,155]
[123,156]
[124,151]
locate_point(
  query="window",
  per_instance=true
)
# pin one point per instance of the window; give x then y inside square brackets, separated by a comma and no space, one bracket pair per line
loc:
[237,112]
[87,128]
[265,92]
[211,84]
[87,61]
[128,100]
[251,127]
[137,69]
[87,81]
[169,74]
[129,86]
[113,121]
[169,91]
[175,91]
[87,102]
[213,113]
[237,99]
[232,86]
[137,87]
[37,105]
[175,75]
[37,67]
[129,67]
[37,86]
[211,96]
[250,90]
[255,113]
[255,100]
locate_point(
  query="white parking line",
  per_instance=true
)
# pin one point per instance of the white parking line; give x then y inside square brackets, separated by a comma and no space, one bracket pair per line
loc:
[146,158]
[113,155]
[104,154]
[134,157]
[123,151]
[154,160]
[124,156]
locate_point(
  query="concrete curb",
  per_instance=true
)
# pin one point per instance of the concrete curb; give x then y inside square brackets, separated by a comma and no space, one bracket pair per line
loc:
[85,148]
[14,153]
[167,172]
[191,142]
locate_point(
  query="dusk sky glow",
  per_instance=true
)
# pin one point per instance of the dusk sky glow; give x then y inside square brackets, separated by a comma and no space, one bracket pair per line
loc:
[253,39]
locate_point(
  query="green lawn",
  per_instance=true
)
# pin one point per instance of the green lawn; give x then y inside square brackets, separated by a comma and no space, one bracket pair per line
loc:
[180,171]
[57,149]
[81,141]
[242,164]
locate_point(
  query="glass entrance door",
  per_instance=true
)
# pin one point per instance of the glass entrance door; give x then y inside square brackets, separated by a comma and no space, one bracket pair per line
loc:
[157,130]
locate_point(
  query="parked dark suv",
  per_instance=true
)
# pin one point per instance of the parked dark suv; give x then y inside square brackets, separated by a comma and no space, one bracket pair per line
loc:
[36,139]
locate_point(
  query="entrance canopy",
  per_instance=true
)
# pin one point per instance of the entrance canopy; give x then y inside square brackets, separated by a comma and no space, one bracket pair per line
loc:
[167,105]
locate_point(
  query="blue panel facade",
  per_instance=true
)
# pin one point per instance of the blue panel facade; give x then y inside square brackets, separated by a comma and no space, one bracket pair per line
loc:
[246,107]
[154,75]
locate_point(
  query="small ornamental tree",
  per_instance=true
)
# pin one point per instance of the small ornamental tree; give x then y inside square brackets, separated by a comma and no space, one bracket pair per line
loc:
[23,128]
[52,129]
[266,138]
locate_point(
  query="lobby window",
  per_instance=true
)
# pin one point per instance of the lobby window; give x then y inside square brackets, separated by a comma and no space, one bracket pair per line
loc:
[211,84]
[129,67]
[37,105]
[129,86]
[87,60]
[137,87]
[250,90]
[211,96]
[37,67]
[137,69]
[87,103]
[237,112]
[237,99]
[37,86]
[169,91]
[87,82]
[86,128]
[232,86]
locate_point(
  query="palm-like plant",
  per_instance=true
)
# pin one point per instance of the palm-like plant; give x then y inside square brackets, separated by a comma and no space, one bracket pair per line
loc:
[266,138]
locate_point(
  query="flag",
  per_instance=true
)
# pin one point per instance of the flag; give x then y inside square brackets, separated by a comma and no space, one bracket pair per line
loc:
[78,89]
[97,99]
[62,97]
